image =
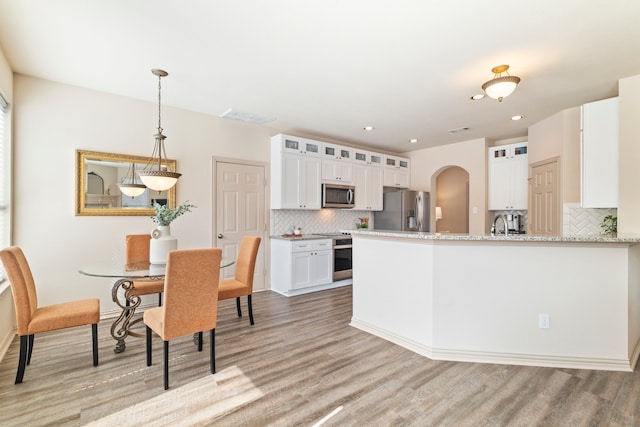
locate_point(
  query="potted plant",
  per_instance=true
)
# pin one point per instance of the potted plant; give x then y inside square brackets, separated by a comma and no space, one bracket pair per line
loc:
[165,215]
[609,225]
[161,239]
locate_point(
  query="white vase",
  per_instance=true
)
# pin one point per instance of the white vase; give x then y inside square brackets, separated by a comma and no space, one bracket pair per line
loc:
[161,243]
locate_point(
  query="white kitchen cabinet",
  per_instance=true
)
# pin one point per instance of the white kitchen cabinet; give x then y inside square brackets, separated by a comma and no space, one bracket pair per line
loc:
[300,264]
[296,145]
[363,157]
[368,181]
[337,163]
[508,177]
[599,154]
[295,178]
[396,172]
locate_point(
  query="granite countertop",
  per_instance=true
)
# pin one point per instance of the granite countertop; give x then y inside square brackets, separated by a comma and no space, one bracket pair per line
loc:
[626,238]
[300,237]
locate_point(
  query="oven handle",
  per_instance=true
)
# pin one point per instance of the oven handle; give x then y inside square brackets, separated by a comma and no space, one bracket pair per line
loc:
[343,247]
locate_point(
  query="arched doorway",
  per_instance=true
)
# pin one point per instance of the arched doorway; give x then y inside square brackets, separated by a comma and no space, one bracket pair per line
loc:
[452,197]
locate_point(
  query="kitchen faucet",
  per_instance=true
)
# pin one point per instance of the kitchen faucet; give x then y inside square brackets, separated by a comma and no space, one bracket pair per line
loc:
[504,221]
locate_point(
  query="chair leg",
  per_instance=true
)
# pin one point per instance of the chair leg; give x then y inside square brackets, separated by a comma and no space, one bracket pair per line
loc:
[250,309]
[30,349]
[200,341]
[160,299]
[94,340]
[148,346]
[238,306]
[22,361]
[212,351]
[166,365]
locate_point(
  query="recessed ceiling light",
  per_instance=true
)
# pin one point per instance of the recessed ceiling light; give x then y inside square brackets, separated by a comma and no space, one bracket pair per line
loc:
[413,140]
[514,118]
[368,128]
[477,97]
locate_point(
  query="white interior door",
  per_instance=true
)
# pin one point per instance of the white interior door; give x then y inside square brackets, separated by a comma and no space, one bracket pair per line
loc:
[240,210]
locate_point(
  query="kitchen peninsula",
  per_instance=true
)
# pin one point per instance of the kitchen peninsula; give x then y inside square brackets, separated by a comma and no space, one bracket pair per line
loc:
[569,302]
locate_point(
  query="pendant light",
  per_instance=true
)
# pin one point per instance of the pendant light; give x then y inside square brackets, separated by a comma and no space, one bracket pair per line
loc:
[160,178]
[129,186]
[500,86]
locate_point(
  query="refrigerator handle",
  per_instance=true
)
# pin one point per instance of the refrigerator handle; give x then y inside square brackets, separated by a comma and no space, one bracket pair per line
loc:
[418,211]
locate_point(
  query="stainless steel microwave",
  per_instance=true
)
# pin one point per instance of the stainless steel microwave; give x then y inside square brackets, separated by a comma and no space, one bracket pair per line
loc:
[338,196]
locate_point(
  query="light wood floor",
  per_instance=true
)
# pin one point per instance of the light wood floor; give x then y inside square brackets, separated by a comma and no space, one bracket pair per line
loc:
[304,363]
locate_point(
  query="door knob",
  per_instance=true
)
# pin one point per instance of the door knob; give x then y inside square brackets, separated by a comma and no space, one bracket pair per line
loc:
[220,236]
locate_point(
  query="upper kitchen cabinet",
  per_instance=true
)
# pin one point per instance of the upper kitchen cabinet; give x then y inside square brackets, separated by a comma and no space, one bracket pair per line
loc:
[368,181]
[599,154]
[363,157]
[296,145]
[396,172]
[337,163]
[295,178]
[508,174]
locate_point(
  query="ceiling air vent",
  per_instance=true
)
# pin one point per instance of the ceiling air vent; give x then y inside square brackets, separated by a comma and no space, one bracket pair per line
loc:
[246,117]
[456,130]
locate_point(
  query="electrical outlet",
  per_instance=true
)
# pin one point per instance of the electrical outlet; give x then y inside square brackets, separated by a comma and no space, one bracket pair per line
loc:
[543,321]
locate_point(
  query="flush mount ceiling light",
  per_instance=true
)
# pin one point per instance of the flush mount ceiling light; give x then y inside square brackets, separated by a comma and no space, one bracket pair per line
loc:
[160,178]
[515,118]
[368,128]
[499,87]
[413,140]
[129,186]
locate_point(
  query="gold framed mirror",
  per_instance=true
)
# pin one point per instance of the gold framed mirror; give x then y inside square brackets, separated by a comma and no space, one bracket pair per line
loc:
[98,194]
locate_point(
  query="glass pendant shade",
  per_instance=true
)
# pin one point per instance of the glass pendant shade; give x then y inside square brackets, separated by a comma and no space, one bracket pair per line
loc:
[500,86]
[132,190]
[159,180]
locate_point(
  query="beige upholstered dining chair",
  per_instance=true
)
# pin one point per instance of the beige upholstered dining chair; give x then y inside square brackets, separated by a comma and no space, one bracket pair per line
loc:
[32,319]
[137,256]
[190,301]
[242,284]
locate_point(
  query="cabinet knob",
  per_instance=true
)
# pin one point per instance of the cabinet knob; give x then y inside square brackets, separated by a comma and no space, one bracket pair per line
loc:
[220,236]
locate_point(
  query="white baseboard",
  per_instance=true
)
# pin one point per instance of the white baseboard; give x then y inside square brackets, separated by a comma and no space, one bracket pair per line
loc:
[332,285]
[550,361]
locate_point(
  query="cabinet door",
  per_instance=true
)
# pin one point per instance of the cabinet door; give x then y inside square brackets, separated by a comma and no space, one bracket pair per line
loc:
[303,270]
[519,173]
[599,154]
[290,181]
[368,183]
[322,262]
[310,188]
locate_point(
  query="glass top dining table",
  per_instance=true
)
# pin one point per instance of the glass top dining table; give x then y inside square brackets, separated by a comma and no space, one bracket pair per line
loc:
[132,271]
[123,293]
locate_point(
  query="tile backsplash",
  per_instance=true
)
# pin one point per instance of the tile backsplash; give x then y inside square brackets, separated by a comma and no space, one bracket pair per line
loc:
[579,221]
[320,221]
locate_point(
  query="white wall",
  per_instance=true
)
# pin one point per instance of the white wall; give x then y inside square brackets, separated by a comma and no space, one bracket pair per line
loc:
[51,121]
[470,156]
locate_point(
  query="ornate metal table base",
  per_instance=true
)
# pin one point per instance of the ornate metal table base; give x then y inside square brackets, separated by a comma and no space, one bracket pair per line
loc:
[121,326]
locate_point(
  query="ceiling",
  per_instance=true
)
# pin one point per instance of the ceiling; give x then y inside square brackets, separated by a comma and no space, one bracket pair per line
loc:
[328,68]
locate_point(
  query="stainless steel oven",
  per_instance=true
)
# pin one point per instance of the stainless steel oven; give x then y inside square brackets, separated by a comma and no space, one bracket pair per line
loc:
[342,257]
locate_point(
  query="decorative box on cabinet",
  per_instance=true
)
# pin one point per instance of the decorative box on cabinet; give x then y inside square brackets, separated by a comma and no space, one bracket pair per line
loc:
[508,174]
[396,172]
[599,154]
[295,175]
[301,266]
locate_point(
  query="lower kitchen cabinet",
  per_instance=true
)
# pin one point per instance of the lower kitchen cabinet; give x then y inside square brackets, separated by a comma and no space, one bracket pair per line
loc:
[301,266]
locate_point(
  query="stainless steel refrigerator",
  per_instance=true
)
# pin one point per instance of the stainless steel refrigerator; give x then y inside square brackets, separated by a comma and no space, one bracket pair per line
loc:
[404,210]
